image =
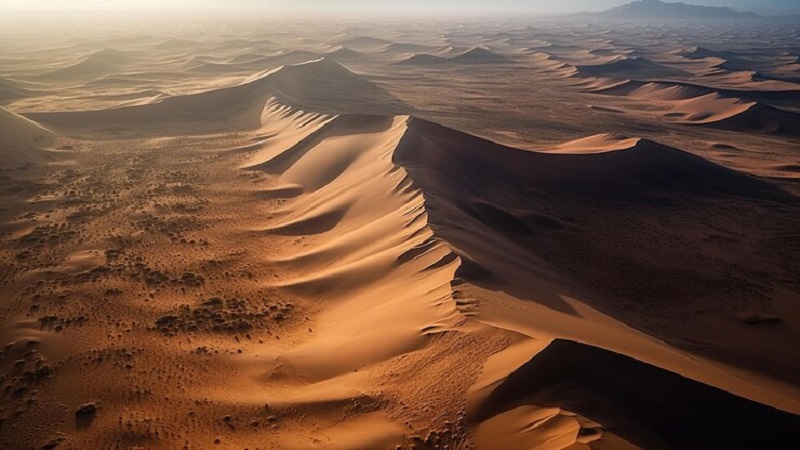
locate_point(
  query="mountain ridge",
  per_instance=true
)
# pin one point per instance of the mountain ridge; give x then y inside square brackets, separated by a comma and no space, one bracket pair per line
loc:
[657,9]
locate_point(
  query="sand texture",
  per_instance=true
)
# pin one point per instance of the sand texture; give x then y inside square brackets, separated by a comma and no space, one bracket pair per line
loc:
[492,236]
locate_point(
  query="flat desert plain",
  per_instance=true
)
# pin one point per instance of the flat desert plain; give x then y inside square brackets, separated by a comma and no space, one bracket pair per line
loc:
[560,234]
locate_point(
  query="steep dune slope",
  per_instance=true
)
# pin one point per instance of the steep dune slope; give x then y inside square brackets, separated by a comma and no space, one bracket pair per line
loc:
[460,233]
[516,216]
[650,407]
[372,239]
[23,140]
[370,260]
[650,167]
[325,86]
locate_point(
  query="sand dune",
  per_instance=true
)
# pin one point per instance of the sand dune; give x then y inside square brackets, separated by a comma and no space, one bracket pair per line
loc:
[381,233]
[245,58]
[750,93]
[699,52]
[178,44]
[405,48]
[323,85]
[213,68]
[601,175]
[425,60]
[451,50]
[12,90]
[627,68]
[708,109]
[622,394]
[596,144]
[655,90]
[691,104]
[476,55]
[523,228]
[735,115]
[334,160]
[23,141]
[344,53]
[320,85]
[479,55]
[364,42]
[757,60]
[96,65]
[282,58]
[239,106]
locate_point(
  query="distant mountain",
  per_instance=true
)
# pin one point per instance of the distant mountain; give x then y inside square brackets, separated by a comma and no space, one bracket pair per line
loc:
[657,9]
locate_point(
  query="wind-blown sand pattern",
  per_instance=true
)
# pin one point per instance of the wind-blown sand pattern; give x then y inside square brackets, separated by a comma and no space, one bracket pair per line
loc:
[473,236]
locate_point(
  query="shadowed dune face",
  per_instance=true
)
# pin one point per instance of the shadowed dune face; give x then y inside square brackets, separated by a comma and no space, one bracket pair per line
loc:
[485,203]
[637,172]
[647,406]
[541,214]
[562,234]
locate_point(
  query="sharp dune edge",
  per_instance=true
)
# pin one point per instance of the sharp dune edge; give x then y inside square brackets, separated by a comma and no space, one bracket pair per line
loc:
[254,265]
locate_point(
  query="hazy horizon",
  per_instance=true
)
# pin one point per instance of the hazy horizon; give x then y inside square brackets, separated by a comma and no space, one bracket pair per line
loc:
[532,7]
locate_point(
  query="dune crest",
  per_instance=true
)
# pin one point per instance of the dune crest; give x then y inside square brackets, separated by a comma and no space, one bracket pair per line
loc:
[381,198]
[596,144]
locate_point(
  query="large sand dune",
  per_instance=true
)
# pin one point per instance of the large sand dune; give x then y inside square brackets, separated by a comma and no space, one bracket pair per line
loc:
[445,181]
[318,84]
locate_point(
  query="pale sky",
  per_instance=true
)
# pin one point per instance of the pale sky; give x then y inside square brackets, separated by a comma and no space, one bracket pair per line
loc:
[526,6]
